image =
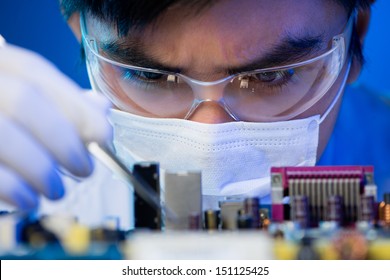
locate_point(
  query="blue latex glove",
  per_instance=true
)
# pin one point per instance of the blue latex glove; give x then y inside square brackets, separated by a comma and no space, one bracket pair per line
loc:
[45,121]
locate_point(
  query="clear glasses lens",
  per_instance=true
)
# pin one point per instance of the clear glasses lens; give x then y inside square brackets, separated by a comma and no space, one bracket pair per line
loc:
[149,94]
[282,94]
[270,95]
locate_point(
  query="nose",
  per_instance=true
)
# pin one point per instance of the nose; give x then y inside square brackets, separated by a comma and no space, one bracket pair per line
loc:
[210,112]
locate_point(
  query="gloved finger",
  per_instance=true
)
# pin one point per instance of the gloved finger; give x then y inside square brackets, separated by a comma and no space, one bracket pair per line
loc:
[80,109]
[15,191]
[28,107]
[29,160]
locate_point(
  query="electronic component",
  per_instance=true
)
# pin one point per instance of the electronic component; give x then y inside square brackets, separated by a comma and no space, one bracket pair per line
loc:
[26,237]
[318,183]
[183,195]
[264,218]
[145,215]
[384,211]
[194,221]
[367,209]
[229,213]
[300,211]
[252,207]
[331,214]
[335,210]
[77,240]
[10,229]
[211,219]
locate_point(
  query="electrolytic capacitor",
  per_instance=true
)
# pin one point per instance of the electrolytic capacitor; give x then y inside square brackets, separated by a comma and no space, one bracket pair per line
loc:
[335,209]
[211,219]
[384,210]
[300,211]
[367,209]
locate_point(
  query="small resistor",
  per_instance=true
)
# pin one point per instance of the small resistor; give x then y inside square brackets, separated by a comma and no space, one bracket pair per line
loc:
[194,221]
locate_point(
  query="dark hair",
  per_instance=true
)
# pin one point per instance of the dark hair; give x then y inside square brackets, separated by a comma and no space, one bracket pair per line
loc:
[126,14]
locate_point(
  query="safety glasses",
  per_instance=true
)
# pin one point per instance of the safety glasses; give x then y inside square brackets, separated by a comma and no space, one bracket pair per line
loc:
[262,95]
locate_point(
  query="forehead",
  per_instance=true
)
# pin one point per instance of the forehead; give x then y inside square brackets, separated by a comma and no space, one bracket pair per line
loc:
[231,32]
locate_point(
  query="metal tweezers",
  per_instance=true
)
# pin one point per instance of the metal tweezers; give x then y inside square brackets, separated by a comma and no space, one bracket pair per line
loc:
[142,188]
[112,162]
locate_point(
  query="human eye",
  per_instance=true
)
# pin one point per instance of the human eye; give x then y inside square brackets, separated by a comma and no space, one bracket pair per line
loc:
[273,78]
[270,80]
[148,80]
[142,76]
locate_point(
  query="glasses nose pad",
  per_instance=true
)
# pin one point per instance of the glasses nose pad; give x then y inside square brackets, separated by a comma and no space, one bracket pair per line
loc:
[220,103]
[209,92]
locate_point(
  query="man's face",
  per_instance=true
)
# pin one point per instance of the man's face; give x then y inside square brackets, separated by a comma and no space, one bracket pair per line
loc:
[237,34]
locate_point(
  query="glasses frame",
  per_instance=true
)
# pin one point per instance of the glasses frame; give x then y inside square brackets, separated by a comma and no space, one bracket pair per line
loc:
[202,89]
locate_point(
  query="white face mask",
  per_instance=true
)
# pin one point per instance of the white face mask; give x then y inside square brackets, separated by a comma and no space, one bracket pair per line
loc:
[235,158]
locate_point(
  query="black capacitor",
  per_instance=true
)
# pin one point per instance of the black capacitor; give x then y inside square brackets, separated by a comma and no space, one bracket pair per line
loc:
[335,209]
[145,215]
[367,208]
[300,211]
[251,207]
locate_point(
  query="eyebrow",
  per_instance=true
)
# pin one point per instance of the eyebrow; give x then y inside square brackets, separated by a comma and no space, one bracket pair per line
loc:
[290,49]
[131,53]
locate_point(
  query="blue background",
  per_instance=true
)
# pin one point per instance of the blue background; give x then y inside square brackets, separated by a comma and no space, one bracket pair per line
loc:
[39,26]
